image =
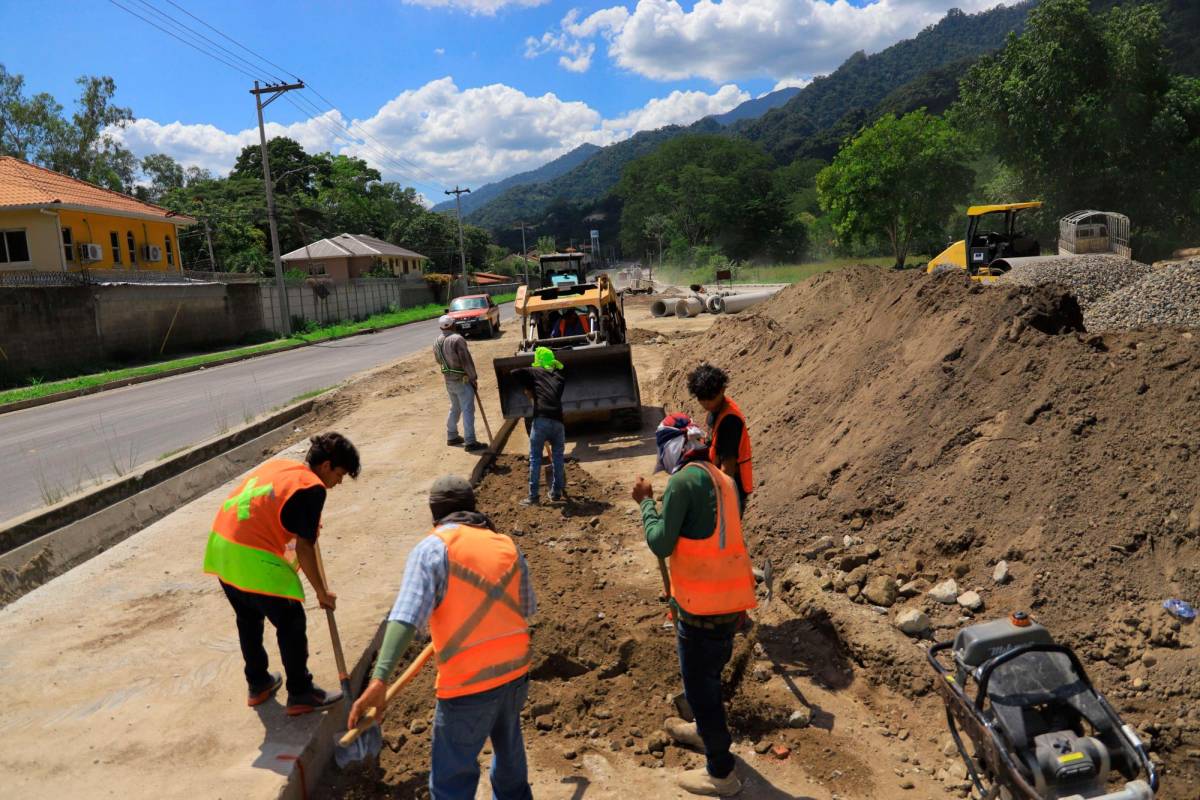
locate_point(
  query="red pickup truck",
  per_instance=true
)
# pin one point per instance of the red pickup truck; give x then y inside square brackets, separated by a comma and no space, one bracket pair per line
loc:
[475,313]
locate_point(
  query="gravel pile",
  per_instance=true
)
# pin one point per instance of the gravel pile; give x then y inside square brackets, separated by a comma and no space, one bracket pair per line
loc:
[1166,297]
[1090,278]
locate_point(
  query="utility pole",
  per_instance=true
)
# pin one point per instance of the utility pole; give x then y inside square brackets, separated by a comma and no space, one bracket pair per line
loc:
[212,261]
[462,252]
[275,90]
[524,251]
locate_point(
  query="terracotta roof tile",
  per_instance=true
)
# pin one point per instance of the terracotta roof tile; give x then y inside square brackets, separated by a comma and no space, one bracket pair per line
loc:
[25,184]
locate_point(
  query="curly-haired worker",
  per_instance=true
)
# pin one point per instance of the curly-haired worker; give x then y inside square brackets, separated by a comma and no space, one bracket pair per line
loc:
[730,438]
[276,504]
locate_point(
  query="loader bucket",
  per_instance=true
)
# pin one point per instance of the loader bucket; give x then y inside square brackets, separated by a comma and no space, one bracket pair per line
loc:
[599,379]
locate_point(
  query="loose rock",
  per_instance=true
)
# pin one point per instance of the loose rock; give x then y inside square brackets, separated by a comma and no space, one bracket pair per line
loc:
[970,601]
[1000,574]
[881,590]
[945,592]
[912,622]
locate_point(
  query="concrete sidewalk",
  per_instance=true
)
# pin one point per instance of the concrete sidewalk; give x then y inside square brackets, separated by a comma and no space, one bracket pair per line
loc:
[124,678]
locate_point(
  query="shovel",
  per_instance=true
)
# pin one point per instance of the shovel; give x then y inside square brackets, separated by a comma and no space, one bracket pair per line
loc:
[482,413]
[343,674]
[365,740]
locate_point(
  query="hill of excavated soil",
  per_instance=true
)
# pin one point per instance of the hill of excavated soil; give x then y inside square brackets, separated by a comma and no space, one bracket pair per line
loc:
[952,427]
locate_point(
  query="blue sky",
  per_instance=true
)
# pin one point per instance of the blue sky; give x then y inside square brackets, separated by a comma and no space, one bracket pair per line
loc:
[467,90]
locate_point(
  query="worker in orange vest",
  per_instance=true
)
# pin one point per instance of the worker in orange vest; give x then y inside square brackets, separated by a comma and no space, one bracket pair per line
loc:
[730,444]
[275,505]
[471,585]
[571,323]
[712,587]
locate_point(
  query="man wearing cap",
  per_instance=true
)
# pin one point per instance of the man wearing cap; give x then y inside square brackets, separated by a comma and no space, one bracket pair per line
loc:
[462,384]
[544,383]
[471,585]
[712,587]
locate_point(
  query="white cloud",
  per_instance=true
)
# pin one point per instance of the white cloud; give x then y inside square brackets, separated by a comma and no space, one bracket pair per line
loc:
[470,136]
[735,39]
[678,108]
[439,51]
[484,7]
[793,82]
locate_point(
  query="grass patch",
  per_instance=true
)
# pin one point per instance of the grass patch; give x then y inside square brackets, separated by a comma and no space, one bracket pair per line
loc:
[39,388]
[307,395]
[782,273]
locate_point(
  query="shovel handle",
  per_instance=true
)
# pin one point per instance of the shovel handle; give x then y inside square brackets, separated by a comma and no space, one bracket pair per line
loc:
[368,719]
[334,636]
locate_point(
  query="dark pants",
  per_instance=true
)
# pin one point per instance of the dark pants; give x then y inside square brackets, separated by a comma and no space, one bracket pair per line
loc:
[288,618]
[702,655]
[460,727]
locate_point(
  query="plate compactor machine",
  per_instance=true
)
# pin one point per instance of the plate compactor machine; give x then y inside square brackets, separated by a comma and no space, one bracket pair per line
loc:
[1038,728]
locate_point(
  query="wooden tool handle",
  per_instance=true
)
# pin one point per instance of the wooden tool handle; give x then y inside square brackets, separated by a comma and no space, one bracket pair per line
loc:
[333,628]
[368,719]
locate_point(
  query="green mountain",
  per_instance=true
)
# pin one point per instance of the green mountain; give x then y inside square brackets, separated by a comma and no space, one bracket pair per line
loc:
[753,109]
[838,102]
[590,181]
[489,191]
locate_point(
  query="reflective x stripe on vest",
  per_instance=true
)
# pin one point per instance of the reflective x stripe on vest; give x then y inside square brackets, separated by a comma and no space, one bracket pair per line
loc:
[479,629]
[247,545]
[713,575]
[440,354]
[745,470]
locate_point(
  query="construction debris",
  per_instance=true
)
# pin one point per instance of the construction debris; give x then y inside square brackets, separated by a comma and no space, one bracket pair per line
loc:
[1090,278]
[1165,297]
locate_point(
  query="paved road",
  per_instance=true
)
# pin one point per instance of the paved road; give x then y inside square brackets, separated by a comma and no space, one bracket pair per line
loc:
[72,444]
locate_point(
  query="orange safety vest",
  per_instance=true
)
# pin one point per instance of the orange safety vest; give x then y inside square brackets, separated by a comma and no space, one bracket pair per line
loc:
[479,630]
[713,575]
[745,470]
[247,546]
[583,321]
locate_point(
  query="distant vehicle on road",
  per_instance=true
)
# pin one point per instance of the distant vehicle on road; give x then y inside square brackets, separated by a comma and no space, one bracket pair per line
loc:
[475,313]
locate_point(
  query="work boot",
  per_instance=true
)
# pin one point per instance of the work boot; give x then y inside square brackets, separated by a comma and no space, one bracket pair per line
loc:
[454,441]
[261,694]
[475,447]
[698,781]
[529,501]
[556,497]
[314,699]
[684,733]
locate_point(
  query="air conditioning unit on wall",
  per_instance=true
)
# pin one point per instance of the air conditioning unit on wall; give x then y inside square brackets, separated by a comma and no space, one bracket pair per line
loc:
[89,253]
[151,253]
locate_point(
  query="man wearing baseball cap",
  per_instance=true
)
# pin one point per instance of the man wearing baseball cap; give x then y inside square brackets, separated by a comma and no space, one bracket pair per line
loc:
[462,384]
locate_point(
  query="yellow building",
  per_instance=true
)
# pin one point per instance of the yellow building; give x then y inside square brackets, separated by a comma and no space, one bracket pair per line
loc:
[51,222]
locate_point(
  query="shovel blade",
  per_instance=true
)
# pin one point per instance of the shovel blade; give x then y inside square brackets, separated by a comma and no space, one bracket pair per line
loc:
[364,748]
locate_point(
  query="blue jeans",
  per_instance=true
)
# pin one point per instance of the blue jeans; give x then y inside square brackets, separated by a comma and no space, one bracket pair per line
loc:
[460,727]
[462,402]
[547,430]
[702,655]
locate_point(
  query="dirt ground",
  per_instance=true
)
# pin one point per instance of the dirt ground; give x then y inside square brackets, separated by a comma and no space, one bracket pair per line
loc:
[930,430]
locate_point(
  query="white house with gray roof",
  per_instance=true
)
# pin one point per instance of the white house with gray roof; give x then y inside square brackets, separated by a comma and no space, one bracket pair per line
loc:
[352,255]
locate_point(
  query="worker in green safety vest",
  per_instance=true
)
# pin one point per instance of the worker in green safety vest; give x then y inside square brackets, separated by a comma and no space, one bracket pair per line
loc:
[275,505]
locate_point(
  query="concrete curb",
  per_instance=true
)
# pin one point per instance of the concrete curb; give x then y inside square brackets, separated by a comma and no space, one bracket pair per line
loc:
[43,544]
[317,755]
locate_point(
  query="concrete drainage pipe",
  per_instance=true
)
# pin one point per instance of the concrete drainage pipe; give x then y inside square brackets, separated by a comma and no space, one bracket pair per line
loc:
[659,308]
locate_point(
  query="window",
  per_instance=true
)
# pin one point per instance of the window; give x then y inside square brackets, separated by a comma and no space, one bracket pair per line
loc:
[68,250]
[132,248]
[114,239]
[170,253]
[14,248]
[316,269]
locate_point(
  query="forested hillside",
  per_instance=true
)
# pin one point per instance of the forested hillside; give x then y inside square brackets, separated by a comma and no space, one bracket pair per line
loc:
[841,101]
[490,191]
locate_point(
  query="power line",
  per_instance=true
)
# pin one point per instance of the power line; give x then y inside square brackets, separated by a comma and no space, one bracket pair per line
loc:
[235,41]
[184,27]
[185,41]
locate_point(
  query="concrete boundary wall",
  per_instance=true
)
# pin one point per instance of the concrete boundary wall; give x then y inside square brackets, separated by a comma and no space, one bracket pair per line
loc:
[324,302]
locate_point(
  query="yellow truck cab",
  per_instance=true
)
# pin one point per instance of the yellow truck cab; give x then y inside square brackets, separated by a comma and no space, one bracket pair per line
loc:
[992,236]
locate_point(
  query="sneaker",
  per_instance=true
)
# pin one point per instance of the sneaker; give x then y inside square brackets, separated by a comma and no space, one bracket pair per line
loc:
[556,498]
[260,695]
[698,781]
[314,699]
[454,441]
[529,501]
[684,733]
[475,447]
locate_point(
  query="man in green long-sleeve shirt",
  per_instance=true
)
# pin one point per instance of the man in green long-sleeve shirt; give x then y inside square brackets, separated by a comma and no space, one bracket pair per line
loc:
[712,586]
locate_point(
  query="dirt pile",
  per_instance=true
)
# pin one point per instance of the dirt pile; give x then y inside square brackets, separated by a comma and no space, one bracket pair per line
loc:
[1089,278]
[911,429]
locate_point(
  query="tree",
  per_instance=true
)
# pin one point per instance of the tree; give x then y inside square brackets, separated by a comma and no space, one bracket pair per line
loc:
[164,174]
[292,169]
[900,178]
[546,244]
[1083,109]
[657,227]
[30,127]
